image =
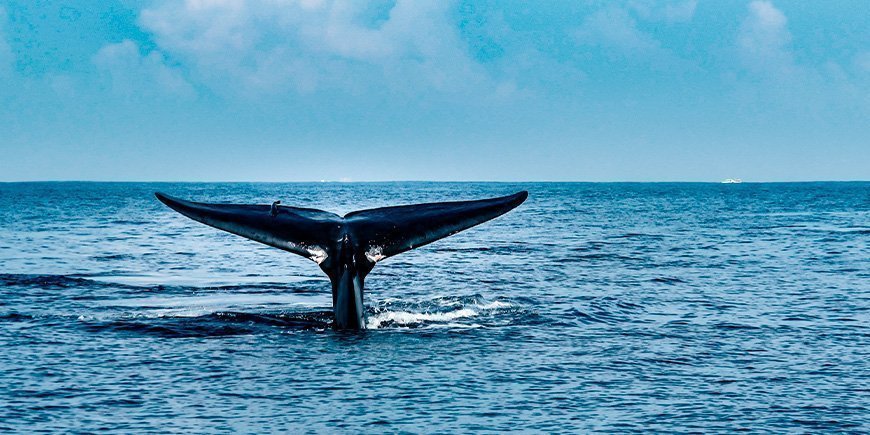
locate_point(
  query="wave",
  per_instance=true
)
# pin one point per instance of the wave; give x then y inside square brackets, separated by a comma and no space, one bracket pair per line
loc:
[606,310]
[43,281]
[218,324]
[637,235]
[667,280]
[119,281]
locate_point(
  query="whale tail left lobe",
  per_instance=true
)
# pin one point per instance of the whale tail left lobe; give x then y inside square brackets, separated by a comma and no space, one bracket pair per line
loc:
[303,231]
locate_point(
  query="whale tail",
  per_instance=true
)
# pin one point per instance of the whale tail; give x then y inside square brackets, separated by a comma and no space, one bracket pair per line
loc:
[346,248]
[316,234]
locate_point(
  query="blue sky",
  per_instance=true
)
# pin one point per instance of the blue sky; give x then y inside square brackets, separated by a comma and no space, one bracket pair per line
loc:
[274,90]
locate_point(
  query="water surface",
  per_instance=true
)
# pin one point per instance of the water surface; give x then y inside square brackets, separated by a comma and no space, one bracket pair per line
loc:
[592,307]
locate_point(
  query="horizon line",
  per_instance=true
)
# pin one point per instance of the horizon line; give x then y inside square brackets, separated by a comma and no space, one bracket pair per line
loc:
[430,181]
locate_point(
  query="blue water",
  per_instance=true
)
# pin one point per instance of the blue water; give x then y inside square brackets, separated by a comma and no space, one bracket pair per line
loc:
[591,307]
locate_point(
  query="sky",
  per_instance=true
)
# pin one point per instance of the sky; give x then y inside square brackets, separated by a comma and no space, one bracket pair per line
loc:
[272,90]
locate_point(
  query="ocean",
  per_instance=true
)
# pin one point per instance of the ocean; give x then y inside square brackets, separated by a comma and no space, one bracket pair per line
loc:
[593,307]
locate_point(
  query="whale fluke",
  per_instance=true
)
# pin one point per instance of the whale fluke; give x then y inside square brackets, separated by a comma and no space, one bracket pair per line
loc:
[302,231]
[346,248]
[389,231]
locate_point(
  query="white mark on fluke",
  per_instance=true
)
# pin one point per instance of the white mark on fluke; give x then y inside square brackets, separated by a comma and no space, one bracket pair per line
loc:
[318,254]
[375,254]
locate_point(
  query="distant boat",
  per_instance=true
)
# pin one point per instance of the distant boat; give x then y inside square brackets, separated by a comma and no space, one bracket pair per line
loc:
[732,181]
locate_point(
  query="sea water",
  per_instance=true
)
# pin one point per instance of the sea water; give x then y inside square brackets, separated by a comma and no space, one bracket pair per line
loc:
[591,307]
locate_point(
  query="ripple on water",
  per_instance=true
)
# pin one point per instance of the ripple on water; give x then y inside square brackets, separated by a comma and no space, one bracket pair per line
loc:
[592,308]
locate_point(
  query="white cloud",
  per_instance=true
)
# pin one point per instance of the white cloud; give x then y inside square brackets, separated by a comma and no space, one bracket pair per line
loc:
[616,31]
[771,79]
[763,40]
[615,28]
[132,74]
[266,46]
[671,11]
[681,11]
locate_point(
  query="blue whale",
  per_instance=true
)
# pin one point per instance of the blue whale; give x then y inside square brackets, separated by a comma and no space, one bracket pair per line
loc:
[346,248]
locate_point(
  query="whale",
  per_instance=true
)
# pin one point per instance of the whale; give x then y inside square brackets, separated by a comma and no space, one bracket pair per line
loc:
[346,247]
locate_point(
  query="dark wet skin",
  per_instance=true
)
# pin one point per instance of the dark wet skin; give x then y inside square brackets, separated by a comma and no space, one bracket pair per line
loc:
[346,248]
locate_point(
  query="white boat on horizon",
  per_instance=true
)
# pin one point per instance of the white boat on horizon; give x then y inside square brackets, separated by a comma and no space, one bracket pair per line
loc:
[732,181]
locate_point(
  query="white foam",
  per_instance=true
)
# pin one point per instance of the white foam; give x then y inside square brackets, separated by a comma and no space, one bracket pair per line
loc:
[441,319]
[176,312]
[409,318]
[494,305]
[457,326]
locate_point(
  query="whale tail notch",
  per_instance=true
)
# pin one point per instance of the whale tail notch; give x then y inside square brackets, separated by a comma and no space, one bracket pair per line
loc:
[316,234]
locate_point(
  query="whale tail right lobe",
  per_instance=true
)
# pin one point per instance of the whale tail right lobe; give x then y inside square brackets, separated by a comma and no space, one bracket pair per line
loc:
[385,232]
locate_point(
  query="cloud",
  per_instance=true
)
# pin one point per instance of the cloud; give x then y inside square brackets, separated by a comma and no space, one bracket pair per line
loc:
[267,46]
[771,79]
[681,11]
[670,12]
[132,74]
[763,40]
[617,29]
[616,33]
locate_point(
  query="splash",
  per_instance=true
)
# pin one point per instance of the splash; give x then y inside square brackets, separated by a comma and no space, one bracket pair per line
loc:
[385,317]
[405,318]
